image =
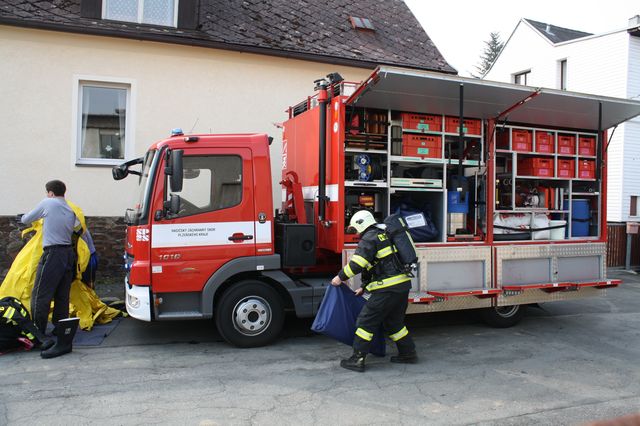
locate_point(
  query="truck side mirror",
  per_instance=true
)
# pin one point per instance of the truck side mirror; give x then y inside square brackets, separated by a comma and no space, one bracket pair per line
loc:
[122,171]
[119,172]
[176,175]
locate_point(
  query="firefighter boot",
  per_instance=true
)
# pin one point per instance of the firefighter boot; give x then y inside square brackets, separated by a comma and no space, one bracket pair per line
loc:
[65,331]
[355,363]
[405,358]
[44,344]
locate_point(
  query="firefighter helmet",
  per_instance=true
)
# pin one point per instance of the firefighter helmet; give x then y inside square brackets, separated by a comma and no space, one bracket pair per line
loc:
[361,220]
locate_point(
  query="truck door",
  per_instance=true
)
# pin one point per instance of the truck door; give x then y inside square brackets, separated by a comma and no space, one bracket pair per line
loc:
[214,225]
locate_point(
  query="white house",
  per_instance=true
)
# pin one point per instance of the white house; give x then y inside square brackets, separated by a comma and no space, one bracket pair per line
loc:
[543,55]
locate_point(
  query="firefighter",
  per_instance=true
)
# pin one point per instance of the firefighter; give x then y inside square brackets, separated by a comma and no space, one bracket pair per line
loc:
[16,328]
[383,277]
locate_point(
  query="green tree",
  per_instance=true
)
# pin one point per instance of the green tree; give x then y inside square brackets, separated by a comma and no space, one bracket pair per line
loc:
[492,48]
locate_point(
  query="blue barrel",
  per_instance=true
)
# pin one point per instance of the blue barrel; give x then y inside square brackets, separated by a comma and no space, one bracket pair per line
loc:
[457,202]
[580,218]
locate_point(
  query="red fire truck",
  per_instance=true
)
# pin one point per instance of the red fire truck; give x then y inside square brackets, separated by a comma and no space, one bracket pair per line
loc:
[508,185]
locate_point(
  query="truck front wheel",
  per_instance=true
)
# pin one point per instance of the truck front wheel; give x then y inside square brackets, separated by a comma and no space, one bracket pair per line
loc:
[250,314]
[502,316]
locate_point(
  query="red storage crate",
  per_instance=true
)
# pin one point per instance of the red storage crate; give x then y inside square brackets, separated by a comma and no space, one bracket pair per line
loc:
[535,166]
[423,146]
[586,169]
[470,126]
[566,144]
[587,145]
[521,140]
[422,122]
[545,142]
[566,168]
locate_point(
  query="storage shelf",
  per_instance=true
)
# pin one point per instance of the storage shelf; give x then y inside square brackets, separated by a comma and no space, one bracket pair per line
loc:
[530,210]
[347,134]
[422,132]
[402,159]
[365,151]
[363,184]
[464,162]
[395,189]
[542,177]
[465,135]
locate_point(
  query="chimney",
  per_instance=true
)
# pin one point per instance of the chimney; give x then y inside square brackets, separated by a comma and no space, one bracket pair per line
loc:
[548,29]
[634,22]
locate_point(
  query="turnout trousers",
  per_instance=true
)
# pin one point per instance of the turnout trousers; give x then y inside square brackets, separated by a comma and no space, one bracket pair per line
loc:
[386,309]
[53,282]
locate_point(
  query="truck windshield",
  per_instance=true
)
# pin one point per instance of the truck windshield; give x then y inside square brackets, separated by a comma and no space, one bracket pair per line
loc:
[139,213]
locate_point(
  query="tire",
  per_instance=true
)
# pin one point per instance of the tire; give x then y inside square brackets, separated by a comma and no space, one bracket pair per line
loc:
[250,314]
[502,316]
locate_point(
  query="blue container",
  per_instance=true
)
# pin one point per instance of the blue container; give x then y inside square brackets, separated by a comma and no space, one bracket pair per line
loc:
[580,218]
[457,202]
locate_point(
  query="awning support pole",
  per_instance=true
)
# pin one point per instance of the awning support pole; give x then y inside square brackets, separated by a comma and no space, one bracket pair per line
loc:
[517,105]
[599,143]
[461,135]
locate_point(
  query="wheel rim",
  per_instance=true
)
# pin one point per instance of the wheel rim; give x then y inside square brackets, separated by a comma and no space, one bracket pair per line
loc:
[251,316]
[507,311]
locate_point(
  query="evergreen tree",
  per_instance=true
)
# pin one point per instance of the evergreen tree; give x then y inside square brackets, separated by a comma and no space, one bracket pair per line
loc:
[492,48]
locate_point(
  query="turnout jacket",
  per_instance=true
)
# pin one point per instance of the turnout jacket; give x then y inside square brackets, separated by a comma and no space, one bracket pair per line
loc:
[375,258]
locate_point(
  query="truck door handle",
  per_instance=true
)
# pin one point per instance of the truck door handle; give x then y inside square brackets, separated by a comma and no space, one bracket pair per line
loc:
[239,236]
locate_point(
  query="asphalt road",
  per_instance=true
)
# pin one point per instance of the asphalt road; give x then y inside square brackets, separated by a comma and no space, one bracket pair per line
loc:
[566,363]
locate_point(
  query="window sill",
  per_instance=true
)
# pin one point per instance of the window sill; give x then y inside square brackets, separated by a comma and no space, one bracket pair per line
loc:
[98,163]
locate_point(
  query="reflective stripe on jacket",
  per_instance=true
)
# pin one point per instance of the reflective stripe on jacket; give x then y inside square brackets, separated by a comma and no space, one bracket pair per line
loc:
[374,257]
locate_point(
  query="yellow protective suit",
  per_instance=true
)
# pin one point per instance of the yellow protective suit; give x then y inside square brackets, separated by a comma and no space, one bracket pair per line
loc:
[84,303]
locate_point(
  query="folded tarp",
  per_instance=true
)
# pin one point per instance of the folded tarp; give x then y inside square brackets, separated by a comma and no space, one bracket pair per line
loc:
[337,316]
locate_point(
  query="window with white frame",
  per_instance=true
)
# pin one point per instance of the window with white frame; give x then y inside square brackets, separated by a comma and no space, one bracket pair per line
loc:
[562,74]
[153,12]
[521,78]
[103,121]
[633,206]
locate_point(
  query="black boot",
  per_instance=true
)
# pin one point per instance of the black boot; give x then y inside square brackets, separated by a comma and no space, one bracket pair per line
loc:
[65,331]
[355,363]
[405,358]
[45,343]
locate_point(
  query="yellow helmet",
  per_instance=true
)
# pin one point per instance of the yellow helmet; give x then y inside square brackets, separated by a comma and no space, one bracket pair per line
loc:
[361,220]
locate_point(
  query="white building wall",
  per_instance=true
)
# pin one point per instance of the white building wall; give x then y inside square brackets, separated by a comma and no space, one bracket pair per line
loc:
[599,65]
[606,65]
[632,132]
[516,57]
[174,86]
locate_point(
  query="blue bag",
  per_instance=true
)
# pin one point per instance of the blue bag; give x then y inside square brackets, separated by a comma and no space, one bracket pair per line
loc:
[419,234]
[337,316]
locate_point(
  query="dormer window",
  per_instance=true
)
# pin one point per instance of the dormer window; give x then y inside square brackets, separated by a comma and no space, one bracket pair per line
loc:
[153,12]
[361,23]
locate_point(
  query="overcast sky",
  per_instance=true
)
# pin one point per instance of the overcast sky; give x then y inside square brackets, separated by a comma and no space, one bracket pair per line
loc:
[459,29]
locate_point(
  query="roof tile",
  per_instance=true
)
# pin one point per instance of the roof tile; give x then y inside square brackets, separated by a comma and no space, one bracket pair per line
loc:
[319,28]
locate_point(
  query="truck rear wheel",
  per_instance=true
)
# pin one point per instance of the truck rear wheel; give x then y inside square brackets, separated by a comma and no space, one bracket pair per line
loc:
[502,316]
[250,314]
